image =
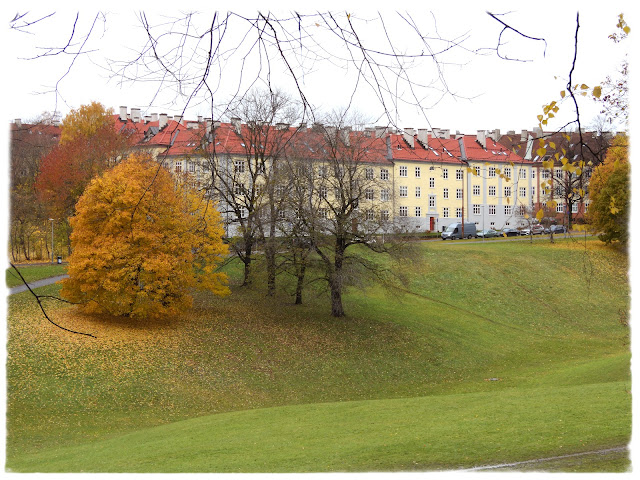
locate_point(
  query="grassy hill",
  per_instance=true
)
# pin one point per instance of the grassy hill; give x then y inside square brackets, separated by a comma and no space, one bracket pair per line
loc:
[495,352]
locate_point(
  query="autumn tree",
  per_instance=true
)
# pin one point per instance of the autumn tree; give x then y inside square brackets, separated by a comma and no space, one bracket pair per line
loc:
[141,242]
[30,142]
[610,194]
[89,143]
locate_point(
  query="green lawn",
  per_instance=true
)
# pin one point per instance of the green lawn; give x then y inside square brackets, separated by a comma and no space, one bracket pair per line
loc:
[494,353]
[33,273]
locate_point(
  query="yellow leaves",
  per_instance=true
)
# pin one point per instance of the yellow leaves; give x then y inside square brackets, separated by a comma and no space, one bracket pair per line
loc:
[562,94]
[552,204]
[612,206]
[552,145]
[526,216]
[597,92]
[541,152]
[547,164]
[540,215]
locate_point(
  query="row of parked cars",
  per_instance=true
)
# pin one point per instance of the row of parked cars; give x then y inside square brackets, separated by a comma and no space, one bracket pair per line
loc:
[456,231]
[514,232]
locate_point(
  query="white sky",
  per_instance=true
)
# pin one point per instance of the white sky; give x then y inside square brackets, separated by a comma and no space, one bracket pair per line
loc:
[493,93]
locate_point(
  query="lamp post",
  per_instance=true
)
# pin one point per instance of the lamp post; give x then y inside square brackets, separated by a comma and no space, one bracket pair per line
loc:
[51,220]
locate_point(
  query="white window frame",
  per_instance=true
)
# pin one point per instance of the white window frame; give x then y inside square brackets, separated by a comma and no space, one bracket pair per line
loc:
[403,171]
[404,212]
[404,191]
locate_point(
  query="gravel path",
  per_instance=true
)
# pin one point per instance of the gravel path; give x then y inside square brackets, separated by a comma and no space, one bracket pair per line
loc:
[36,284]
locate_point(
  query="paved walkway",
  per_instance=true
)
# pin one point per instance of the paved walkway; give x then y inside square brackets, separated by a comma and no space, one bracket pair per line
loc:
[36,284]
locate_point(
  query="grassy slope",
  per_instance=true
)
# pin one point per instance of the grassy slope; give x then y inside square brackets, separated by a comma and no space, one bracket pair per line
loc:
[543,319]
[33,273]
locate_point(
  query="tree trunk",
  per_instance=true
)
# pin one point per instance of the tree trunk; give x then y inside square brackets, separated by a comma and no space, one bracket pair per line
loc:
[270,257]
[247,264]
[335,280]
[300,284]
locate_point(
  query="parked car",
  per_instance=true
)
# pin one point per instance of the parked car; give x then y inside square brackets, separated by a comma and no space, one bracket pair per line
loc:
[509,232]
[454,231]
[488,233]
[536,229]
[558,229]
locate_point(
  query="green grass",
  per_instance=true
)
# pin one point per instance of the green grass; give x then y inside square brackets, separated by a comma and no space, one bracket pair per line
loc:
[33,273]
[531,338]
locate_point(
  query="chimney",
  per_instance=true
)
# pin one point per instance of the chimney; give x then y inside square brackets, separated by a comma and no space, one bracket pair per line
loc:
[123,113]
[482,138]
[408,136]
[199,118]
[178,118]
[423,136]
[18,122]
[236,123]
[511,132]
[135,115]
[282,126]
[381,131]
[524,135]
[495,134]
[154,117]
[162,121]
[537,131]
[147,118]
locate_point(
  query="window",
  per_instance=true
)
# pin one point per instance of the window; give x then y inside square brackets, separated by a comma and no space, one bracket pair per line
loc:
[560,208]
[586,207]
[522,192]
[445,173]
[370,215]
[477,169]
[533,192]
[192,167]
[368,174]
[574,208]
[533,173]
[282,214]
[492,171]
[417,171]
[323,192]
[384,194]
[445,193]
[458,213]
[323,171]
[492,224]
[492,191]
[492,209]
[507,172]
[418,212]
[403,191]
[368,193]
[384,215]
[243,212]
[445,212]
[323,212]
[417,192]
[432,182]
[238,188]
[238,166]
[507,209]
[403,171]
[476,209]
[507,192]
[546,174]
[279,190]
[558,192]
[458,174]
[404,211]
[522,210]
[458,193]
[384,174]
[432,201]
[476,189]
[558,173]
[522,173]
[178,166]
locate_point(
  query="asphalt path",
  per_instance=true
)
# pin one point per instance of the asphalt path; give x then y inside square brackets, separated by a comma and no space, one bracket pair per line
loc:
[38,283]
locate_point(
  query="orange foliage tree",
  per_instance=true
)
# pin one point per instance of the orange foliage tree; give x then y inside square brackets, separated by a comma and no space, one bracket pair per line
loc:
[140,242]
[89,142]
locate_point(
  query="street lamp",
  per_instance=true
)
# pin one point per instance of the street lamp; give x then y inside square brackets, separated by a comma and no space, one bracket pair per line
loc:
[51,220]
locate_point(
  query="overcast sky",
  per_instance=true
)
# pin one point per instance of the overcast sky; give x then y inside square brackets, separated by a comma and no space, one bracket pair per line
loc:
[489,92]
